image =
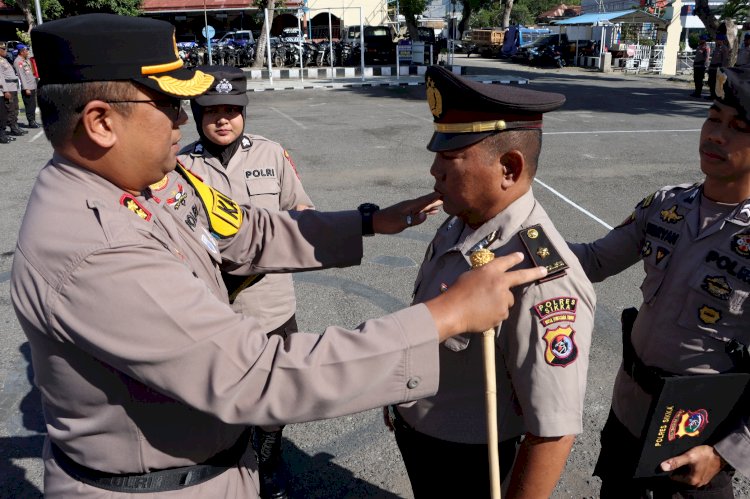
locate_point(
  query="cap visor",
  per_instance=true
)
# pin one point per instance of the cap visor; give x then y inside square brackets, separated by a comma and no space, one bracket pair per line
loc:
[180,83]
[450,141]
[219,99]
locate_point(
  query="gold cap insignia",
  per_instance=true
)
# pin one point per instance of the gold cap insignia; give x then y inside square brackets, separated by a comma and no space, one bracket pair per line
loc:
[434,99]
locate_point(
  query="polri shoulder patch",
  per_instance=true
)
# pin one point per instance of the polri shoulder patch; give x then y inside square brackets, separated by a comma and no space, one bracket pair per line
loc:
[224,215]
[542,252]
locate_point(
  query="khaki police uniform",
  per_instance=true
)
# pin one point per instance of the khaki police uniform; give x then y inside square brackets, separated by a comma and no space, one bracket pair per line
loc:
[127,316]
[148,378]
[694,296]
[261,174]
[542,347]
[27,82]
[9,83]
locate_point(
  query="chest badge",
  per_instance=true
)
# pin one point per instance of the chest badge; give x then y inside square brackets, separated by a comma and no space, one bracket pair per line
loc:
[671,216]
[708,315]
[717,286]
[741,244]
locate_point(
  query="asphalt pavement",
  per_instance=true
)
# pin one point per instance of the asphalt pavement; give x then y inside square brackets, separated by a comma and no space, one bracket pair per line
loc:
[618,138]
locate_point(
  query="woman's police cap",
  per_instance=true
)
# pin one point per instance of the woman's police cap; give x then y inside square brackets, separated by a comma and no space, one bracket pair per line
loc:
[108,47]
[229,87]
[465,112]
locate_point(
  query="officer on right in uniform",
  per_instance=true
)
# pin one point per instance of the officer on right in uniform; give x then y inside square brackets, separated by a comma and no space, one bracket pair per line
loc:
[694,241]
[487,142]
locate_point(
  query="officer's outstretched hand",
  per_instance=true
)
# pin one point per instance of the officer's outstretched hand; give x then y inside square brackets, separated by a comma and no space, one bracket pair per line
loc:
[696,467]
[480,299]
[398,217]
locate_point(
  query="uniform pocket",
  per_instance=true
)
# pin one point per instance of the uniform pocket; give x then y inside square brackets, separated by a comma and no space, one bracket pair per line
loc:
[715,303]
[262,186]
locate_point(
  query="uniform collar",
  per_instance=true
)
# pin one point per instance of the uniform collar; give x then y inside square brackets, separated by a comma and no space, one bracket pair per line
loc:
[506,223]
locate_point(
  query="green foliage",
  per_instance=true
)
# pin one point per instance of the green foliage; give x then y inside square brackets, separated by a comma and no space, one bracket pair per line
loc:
[55,9]
[490,13]
[737,10]
[23,36]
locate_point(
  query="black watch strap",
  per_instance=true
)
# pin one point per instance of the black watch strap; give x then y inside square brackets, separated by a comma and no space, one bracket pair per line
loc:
[367,210]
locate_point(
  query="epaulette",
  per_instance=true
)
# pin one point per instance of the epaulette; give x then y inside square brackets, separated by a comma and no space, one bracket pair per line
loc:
[542,252]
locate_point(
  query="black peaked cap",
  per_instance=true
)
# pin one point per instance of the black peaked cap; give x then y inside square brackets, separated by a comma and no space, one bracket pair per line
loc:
[465,112]
[733,89]
[108,47]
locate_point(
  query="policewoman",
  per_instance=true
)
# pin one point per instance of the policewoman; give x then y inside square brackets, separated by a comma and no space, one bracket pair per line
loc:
[694,241]
[148,378]
[487,142]
[255,171]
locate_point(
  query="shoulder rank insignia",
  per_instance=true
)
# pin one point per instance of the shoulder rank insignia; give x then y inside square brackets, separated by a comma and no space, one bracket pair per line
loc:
[542,252]
[224,215]
[646,202]
[246,142]
[198,149]
[129,202]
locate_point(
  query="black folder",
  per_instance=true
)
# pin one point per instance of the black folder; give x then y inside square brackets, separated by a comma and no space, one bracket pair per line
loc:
[690,411]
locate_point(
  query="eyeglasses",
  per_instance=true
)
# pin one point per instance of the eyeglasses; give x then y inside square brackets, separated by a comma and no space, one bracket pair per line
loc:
[169,106]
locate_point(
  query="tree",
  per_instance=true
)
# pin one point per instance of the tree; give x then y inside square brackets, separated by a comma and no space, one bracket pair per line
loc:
[55,9]
[410,9]
[260,45]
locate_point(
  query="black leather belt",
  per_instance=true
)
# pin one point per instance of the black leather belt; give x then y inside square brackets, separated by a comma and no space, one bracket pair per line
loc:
[156,481]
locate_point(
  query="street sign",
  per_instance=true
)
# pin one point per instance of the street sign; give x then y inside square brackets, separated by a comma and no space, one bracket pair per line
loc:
[208,32]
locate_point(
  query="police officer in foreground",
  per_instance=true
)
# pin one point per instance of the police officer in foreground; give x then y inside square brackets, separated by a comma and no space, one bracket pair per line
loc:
[255,171]
[694,241]
[148,378]
[487,142]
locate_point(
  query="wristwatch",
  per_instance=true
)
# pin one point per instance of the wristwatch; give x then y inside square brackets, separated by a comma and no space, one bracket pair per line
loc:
[367,210]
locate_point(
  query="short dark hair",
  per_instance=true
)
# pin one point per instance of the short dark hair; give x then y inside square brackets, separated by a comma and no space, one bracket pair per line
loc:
[61,104]
[529,142]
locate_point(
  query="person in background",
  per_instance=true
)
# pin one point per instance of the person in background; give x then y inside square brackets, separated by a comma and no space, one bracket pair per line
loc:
[27,80]
[253,171]
[743,53]
[700,62]
[9,89]
[719,59]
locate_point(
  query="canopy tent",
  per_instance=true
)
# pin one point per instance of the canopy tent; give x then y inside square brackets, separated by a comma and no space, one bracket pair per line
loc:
[691,22]
[618,17]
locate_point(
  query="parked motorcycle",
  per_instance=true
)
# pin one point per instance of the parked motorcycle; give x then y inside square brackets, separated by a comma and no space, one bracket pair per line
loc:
[547,55]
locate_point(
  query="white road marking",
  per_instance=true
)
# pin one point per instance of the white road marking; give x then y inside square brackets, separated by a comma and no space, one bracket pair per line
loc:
[598,132]
[415,116]
[36,136]
[289,118]
[574,205]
